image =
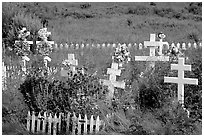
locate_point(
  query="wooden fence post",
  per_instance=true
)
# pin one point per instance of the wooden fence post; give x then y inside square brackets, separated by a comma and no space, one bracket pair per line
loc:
[49,124]
[55,125]
[28,121]
[38,123]
[79,125]
[33,123]
[44,122]
[59,121]
[85,124]
[67,121]
[97,124]
[91,124]
[73,124]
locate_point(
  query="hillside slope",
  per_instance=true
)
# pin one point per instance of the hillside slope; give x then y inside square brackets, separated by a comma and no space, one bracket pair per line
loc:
[118,22]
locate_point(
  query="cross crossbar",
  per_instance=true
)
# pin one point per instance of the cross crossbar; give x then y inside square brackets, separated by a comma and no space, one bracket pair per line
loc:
[180,80]
[112,83]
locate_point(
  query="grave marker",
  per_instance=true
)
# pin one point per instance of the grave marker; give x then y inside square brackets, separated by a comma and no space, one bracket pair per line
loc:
[152,58]
[112,83]
[73,62]
[24,59]
[180,80]
[46,59]
[160,47]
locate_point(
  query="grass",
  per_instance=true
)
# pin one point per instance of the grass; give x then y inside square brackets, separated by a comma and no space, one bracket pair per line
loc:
[115,29]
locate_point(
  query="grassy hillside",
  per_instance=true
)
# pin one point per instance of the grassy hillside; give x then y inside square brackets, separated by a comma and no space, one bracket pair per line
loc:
[118,22]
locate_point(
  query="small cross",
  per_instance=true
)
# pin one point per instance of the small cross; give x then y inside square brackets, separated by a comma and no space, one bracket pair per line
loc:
[24,59]
[46,59]
[180,80]
[112,83]
[73,62]
[152,44]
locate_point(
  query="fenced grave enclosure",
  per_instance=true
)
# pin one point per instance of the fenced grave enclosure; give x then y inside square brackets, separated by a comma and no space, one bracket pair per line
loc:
[63,124]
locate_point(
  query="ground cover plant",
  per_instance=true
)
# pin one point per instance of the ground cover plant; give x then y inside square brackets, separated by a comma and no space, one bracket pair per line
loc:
[156,108]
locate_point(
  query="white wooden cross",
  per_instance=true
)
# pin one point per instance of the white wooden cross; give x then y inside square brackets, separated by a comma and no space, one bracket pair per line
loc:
[112,83]
[73,62]
[152,44]
[180,80]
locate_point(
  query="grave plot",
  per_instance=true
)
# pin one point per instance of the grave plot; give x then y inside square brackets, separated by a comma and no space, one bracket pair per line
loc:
[112,83]
[180,80]
[72,63]
[152,58]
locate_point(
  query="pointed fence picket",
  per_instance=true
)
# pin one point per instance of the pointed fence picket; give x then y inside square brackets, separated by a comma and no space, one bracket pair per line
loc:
[52,125]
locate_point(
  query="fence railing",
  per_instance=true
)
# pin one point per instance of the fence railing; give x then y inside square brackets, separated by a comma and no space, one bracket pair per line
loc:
[63,124]
[113,45]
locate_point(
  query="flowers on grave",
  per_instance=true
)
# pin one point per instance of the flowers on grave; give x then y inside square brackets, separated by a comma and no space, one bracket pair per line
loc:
[23,34]
[121,54]
[44,34]
[44,47]
[66,64]
[22,47]
[174,52]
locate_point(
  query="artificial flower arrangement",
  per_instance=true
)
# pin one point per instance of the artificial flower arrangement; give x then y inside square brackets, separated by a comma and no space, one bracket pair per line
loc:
[44,47]
[121,55]
[22,47]
[174,52]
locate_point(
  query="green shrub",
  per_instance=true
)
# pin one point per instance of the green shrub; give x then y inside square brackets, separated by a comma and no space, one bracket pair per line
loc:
[138,10]
[164,12]
[193,36]
[195,8]
[76,94]
[20,20]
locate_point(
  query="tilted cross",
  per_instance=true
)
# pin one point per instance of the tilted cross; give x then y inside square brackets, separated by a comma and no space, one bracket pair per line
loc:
[152,44]
[180,80]
[112,83]
[73,62]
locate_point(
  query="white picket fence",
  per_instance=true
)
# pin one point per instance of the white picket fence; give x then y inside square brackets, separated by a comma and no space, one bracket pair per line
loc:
[63,123]
[67,46]
[14,73]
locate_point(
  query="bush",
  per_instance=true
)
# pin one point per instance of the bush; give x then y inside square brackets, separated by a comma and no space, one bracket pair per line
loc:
[138,10]
[20,20]
[85,6]
[164,12]
[193,36]
[77,94]
[152,4]
[195,8]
